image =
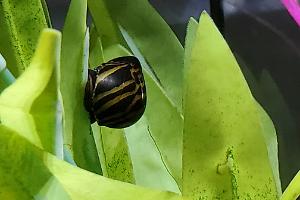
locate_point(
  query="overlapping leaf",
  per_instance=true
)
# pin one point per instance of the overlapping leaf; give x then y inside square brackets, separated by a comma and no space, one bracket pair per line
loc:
[53,178]
[21,23]
[96,56]
[276,106]
[74,65]
[269,131]
[148,167]
[221,124]
[30,105]
[149,31]
[104,23]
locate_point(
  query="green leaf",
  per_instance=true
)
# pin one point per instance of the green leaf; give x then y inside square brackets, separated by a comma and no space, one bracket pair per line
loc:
[97,187]
[143,24]
[74,66]
[165,128]
[30,105]
[27,172]
[71,64]
[221,126]
[22,170]
[149,169]
[21,23]
[189,39]
[286,127]
[85,151]
[96,51]
[116,163]
[269,133]
[106,27]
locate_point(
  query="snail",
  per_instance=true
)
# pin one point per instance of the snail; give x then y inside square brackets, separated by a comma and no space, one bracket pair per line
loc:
[115,93]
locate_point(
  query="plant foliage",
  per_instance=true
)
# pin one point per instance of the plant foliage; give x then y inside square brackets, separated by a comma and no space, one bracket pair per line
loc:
[203,135]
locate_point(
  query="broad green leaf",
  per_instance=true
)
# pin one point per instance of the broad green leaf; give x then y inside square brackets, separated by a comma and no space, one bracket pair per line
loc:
[149,31]
[165,128]
[6,78]
[22,170]
[286,127]
[71,64]
[221,126]
[27,172]
[117,163]
[21,23]
[269,133]
[30,105]
[189,39]
[106,27]
[114,51]
[95,51]
[292,192]
[98,187]
[149,169]
[78,139]
[85,151]
[164,151]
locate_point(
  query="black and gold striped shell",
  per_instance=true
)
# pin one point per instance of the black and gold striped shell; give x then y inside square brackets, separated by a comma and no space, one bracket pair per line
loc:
[115,93]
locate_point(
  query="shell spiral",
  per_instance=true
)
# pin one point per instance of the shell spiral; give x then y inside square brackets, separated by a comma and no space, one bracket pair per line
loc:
[115,93]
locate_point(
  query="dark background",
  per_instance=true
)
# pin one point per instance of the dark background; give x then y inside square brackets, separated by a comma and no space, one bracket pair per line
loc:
[265,39]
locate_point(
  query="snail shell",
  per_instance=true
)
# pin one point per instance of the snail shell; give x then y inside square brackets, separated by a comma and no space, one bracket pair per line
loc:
[115,93]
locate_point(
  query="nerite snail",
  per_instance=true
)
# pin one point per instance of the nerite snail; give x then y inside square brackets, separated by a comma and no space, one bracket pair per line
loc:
[115,93]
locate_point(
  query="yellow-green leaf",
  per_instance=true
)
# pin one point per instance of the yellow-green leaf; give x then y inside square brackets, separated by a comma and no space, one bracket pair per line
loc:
[21,23]
[78,139]
[31,105]
[224,152]
[27,172]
